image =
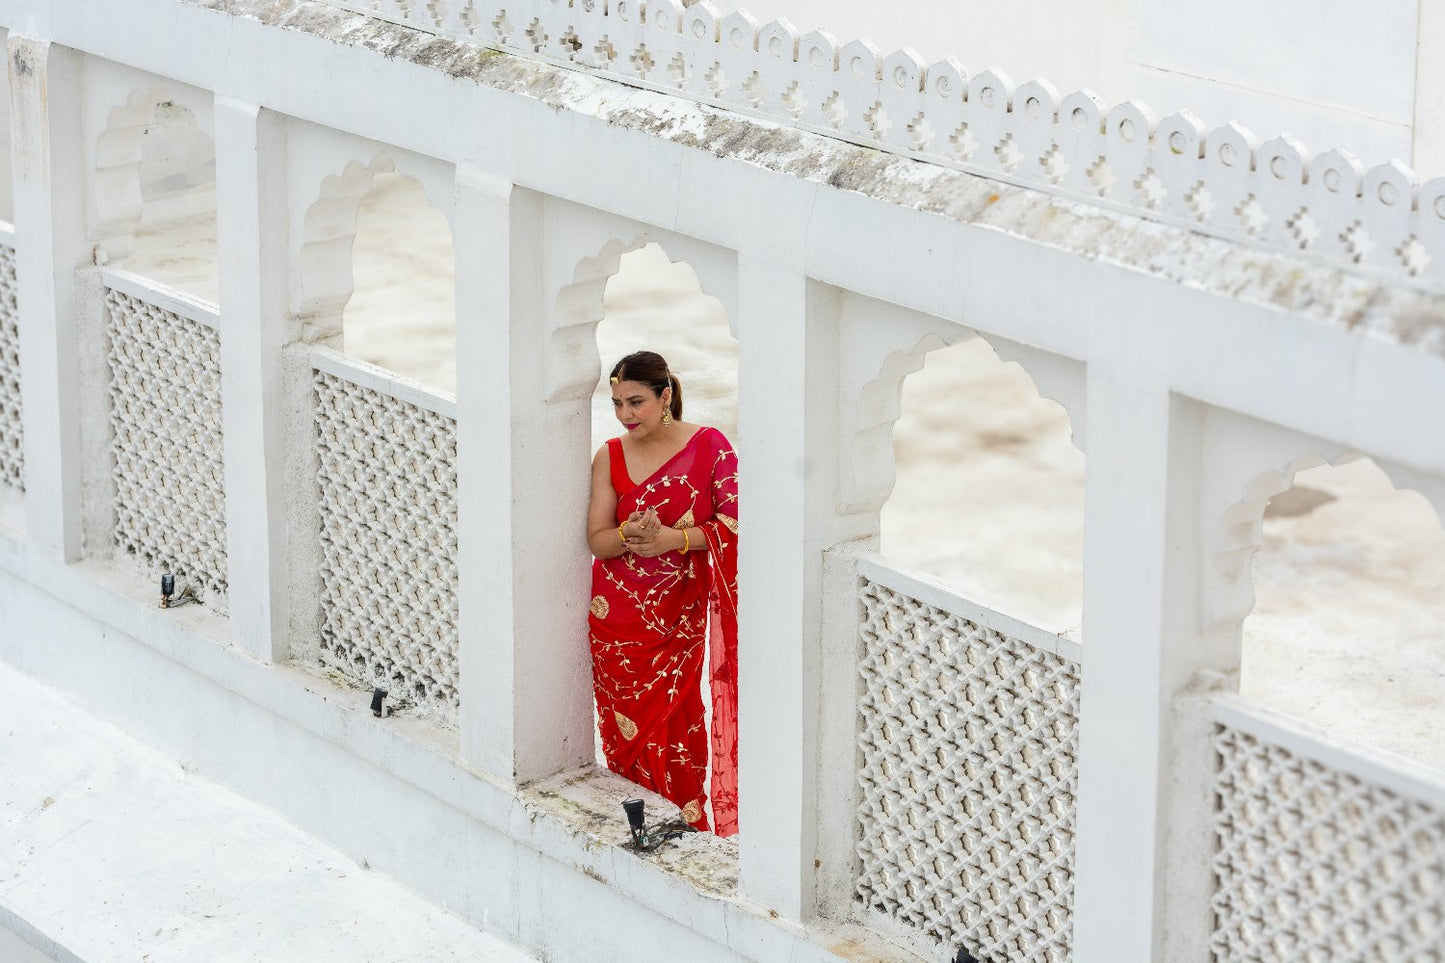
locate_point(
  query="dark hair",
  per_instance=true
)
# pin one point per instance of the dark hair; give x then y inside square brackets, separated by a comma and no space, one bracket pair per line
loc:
[650,368]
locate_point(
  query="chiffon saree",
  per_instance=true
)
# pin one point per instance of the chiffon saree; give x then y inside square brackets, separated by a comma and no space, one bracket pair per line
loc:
[649,629]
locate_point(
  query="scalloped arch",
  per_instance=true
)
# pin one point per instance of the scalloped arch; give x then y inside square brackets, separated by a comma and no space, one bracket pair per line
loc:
[325,276]
[574,364]
[1240,533]
[118,159]
[870,470]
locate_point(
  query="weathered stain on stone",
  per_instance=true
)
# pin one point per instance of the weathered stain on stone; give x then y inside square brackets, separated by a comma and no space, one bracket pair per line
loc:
[1418,327]
[591,873]
[1391,309]
[587,802]
[1364,308]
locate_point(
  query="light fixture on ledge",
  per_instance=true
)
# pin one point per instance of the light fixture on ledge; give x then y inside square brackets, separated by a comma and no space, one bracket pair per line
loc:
[635,820]
[647,839]
[170,598]
[378,702]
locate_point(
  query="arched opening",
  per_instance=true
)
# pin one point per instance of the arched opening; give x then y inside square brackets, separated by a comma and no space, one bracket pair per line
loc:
[402,311]
[376,284]
[1346,630]
[152,214]
[156,191]
[959,632]
[652,303]
[989,496]
[656,304]
[378,274]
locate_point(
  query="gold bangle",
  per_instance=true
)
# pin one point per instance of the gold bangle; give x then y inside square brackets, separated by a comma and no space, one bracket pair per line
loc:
[621,534]
[686,543]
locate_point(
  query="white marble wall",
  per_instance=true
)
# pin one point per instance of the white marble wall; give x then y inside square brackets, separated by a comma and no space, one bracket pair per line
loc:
[1196,385]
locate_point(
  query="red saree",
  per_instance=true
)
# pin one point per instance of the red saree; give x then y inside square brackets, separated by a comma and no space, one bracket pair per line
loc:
[649,627]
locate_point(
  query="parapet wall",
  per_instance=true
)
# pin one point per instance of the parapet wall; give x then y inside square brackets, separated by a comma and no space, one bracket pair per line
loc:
[1325,205]
[985,785]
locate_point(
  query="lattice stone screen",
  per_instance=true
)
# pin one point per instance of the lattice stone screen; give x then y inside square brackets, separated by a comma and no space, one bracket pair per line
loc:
[968,774]
[387,484]
[165,395]
[1316,864]
[12,437]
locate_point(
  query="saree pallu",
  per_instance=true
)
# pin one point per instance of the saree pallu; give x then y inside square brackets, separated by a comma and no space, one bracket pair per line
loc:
[649,626]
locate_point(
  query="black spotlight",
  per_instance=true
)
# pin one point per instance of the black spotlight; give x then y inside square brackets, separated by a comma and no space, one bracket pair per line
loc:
[168,589]
[635,818]
[964,956]
[378,697]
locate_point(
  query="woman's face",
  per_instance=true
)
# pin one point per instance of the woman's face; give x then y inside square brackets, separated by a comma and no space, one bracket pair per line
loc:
[638,407]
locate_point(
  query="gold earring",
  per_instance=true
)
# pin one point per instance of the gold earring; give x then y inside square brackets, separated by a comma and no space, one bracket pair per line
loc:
[666,417]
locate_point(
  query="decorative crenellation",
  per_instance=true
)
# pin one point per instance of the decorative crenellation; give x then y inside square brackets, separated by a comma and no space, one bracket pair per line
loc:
[968,771]
[12,434]
[165,449]
[1312,863]
[387,493]
[1224,181]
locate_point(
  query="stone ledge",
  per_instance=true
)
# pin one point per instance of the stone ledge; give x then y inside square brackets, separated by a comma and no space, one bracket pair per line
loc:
[574,818]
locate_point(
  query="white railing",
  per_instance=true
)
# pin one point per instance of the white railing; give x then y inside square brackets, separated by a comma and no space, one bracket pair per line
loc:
[1324,850]
[968,739]
[1277,194]
[387,498]
[12,433]
[164,357]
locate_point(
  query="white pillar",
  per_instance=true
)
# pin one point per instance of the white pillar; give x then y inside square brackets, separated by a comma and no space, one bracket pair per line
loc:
[251,225]
[523,484]
[787,402]
[1141,882]
[50,185]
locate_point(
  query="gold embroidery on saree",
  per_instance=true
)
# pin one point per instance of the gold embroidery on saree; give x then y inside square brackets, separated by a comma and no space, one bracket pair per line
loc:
[626,726]
[731,523]
[599,606]
[692,812]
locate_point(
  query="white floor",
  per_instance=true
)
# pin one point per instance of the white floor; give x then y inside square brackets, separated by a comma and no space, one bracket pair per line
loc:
[110,852]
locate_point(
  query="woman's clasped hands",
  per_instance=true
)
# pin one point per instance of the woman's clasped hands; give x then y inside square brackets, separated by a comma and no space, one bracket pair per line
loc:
[646,535]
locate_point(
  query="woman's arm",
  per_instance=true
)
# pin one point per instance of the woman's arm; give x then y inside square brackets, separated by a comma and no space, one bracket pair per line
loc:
[667,540]
[602,537]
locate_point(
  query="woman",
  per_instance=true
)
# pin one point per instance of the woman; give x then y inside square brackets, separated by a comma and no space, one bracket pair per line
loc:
[662,524]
